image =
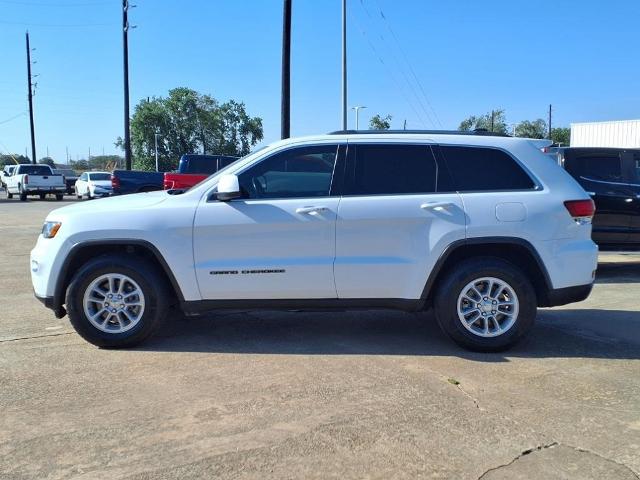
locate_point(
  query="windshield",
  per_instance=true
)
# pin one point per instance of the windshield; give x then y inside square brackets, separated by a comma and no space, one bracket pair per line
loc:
[99,176]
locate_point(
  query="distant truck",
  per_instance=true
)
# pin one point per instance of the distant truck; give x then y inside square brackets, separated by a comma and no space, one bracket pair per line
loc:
[124,182]
[70,177]
[28,179]
[192,169]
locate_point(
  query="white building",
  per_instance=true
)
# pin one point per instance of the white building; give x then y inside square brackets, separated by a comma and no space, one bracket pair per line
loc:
[622,134]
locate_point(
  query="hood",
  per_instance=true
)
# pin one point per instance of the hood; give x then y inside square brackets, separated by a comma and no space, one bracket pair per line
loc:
[112,204]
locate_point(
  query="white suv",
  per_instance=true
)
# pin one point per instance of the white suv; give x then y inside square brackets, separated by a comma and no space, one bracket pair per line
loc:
[482,228]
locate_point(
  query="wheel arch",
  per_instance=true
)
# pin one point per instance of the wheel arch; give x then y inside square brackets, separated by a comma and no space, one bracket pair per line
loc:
[516,251]
[84,251]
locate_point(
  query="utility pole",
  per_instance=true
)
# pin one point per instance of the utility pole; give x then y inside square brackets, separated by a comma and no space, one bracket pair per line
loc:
[29,86]
[550,120]
[125,55]
[493,119]
[67,149]
[344,64]
[405,123]
[357,109]
[285,124]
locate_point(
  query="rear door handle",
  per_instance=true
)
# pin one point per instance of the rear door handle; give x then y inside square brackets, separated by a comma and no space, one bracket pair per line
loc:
[436,205]
[311,210]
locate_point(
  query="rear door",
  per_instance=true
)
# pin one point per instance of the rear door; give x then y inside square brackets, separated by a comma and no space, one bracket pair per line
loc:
[396,216]
[602,174]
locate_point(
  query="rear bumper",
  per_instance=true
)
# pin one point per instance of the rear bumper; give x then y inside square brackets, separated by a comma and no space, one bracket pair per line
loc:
[563,296]
[34,189]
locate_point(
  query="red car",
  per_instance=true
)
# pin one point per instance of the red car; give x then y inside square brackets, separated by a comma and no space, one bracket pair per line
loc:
[195,168]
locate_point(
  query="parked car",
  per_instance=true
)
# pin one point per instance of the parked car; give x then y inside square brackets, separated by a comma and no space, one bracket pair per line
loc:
[6,172]
[124,182]
[192,169]
[70,178]
[480,228]
[28,179]
[93,185]
[612,177]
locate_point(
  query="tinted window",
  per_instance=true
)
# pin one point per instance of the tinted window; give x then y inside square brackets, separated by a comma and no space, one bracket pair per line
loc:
[482,169]
[100,176]
[35,170]
[392,170]
[204,164]
[636,163]
[299,172]
[602,167]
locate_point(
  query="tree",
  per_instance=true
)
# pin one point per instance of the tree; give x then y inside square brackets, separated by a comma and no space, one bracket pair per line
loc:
[189,122]
[561,136]
[9,159]
[494,121]
[47,161]
[380,123]
[532,129]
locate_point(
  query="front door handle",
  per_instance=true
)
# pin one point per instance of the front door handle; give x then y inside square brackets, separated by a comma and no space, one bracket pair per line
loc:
[311,210]
[436,205]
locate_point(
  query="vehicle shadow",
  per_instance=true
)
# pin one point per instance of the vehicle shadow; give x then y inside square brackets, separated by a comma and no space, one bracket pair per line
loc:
[619,272]
[558,333]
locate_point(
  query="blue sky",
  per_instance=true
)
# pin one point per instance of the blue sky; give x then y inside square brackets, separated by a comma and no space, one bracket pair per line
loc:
[431,63]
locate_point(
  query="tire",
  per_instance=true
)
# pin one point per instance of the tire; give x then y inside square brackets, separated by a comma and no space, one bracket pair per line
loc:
[23,196]
[9,195]
[59,196]
[480,332]
[155,295]
[42,196]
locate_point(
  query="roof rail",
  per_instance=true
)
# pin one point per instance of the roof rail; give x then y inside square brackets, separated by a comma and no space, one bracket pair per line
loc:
[480,132]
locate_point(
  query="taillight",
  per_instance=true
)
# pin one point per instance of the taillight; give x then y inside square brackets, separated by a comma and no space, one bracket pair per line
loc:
[581,208]
[115,182]
[25,179]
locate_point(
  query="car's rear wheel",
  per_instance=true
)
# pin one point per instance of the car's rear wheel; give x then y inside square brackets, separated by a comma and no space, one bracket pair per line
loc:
[42,196]
[117,301]
[59,197]
[485,304]
[9,195]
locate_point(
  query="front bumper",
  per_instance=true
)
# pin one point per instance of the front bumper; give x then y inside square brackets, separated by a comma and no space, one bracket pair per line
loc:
[49,302]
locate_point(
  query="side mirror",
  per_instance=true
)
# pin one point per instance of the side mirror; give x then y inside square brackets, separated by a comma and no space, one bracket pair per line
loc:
[228,188]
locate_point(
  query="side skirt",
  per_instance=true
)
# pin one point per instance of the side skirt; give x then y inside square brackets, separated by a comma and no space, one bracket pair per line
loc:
[316,304]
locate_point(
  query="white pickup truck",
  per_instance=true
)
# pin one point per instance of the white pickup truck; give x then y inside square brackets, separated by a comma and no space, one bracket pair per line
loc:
[29,179]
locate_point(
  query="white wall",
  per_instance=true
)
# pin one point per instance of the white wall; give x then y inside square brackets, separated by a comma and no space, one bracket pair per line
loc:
[622,134]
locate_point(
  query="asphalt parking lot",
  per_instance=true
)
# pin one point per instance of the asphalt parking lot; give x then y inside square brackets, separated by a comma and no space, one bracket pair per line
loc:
[317,395]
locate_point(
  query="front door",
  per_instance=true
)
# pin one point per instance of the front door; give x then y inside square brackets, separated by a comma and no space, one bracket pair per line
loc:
[278,240]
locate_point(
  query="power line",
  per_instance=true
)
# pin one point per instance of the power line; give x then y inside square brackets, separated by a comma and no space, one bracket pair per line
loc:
[12,118]
[55,25]
[402,71]
[389,71]
[395,37]
[56,4]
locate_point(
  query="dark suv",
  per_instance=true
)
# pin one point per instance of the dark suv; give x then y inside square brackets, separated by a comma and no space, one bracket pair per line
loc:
[612,177]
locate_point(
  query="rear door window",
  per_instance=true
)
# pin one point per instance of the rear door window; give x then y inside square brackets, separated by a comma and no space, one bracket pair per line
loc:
[391,169]
[600,167]
[476,169]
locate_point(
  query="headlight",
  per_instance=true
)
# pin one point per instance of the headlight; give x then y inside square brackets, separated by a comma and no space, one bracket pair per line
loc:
[49,229]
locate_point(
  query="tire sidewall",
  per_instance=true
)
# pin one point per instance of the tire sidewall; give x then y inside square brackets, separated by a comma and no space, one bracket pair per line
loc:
[144,274]
[446,303]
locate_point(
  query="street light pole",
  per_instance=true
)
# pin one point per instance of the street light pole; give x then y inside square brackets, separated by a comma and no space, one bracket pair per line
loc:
[344,64]
[156,135]
[357,108]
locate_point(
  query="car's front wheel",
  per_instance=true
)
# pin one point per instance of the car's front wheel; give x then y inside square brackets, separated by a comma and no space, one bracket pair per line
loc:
[485,304]
[117,301]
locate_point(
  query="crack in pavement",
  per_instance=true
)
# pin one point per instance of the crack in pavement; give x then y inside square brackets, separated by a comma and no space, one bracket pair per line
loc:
[557,444]
[6,340]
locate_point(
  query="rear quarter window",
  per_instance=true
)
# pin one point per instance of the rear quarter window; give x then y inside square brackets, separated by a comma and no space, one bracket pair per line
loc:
[485,169]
